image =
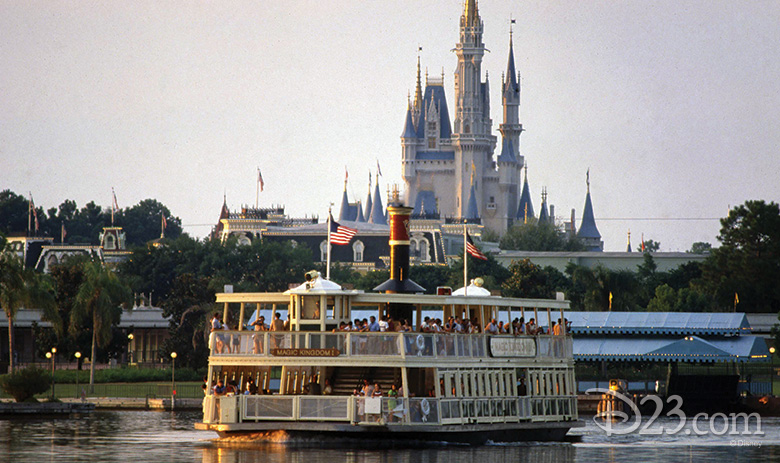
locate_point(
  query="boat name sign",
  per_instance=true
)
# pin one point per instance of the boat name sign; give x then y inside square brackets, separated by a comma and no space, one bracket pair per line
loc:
[305,352]
[512,347]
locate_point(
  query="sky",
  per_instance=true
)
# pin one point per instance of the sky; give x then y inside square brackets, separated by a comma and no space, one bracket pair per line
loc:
[673,106]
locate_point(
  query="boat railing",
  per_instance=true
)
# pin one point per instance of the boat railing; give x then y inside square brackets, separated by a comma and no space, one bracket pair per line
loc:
[427,345]
[387,411]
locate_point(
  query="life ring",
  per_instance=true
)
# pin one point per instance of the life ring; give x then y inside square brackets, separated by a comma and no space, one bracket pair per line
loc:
[425,407]
[420,342]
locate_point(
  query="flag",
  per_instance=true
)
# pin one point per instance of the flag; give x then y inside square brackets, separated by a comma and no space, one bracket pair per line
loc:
[62,233]
[115,205]
[643,242]
[260,179]
[610,300]
[164,222]
[736,298]
[339,234]
[378,170]
[472,250]
[34,212]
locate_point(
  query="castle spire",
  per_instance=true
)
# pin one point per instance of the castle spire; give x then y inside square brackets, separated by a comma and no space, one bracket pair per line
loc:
[588,232]
[418,88]
[471,13]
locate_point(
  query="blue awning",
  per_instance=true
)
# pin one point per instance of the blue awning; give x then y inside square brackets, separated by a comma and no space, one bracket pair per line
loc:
[687,349]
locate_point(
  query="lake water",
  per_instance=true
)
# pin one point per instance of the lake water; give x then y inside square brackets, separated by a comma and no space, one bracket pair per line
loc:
[141,436]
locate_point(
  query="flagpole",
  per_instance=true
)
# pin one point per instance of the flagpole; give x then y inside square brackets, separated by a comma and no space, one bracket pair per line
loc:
[29,215]
[465,263]
[327,265]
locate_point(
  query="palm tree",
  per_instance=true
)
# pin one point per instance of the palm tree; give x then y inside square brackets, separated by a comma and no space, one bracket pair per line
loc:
[21,287]
[99,298]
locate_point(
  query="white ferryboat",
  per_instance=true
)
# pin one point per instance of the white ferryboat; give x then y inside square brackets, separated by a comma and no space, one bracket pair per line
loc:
[450,387]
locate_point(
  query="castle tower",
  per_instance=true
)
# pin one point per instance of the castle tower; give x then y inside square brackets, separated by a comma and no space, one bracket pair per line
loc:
[510,162]
[589,233]
[472,140]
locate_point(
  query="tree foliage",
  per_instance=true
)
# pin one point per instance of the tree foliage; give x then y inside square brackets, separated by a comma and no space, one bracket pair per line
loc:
[141,223]
[747,263]
[535,236]
[23,384]
[98,301]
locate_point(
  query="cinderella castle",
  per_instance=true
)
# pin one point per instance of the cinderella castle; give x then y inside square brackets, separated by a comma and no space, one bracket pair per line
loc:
[450,169]
[451,173]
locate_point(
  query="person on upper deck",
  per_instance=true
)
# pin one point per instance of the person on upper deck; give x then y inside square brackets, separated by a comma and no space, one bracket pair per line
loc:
[425,325]
[373,326]
[531,328]
[557,328]
[492,327]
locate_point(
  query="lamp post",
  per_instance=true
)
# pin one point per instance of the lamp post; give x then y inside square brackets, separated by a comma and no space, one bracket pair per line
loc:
[173,380]
[129,349]
[51,355]
[78,357]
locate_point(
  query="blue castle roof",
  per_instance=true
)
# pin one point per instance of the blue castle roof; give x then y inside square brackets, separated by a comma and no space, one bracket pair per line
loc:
[435,93]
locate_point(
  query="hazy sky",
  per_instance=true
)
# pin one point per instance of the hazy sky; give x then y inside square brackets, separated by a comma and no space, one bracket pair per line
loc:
[673,105]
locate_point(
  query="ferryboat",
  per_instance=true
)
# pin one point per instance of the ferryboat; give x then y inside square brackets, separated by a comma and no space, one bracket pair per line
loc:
[466,388]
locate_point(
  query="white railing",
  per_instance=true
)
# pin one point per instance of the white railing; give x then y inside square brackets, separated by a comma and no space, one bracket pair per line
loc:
[387,410]
[427,345]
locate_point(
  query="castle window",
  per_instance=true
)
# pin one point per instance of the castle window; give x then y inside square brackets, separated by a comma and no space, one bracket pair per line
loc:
[422,247]
[432,143]
[467,128]
[110,242]
[357,251]
[324,250]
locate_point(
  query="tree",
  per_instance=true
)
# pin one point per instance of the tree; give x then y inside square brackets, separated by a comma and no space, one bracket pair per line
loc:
[98,300]
[747,263]
[21,287]
[535,236]
[649,246]
[143,222]
[188,306]
[591,288]
[489,270]
[529,280]
[700,247]
[13,212]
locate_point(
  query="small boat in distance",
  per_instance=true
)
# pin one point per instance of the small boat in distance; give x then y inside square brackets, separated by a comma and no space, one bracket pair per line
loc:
[315,379]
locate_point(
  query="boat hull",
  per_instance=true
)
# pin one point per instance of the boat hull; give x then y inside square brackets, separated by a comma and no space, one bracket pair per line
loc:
[333,434]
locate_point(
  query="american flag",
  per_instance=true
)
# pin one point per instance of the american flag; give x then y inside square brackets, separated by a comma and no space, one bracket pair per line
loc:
[339,234]
[472,249]
[260,179]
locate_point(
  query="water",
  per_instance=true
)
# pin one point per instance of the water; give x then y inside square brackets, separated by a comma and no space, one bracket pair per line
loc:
[140,436]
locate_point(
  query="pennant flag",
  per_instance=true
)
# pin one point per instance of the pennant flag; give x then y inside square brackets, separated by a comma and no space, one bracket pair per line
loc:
[339,234]
[610,300]
[643,242]
[34,212]
[260,179]
[736,298]
[115,205]
[164,222]
[378,170]
[62,233]
[472,250]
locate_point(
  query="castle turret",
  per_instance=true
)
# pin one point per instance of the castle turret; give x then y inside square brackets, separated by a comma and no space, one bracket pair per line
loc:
[589,233]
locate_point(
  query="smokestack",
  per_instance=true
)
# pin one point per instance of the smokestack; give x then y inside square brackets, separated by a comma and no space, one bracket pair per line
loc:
[399,281]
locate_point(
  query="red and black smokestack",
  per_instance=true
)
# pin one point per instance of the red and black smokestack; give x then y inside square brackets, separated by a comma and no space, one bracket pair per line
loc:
[399,281]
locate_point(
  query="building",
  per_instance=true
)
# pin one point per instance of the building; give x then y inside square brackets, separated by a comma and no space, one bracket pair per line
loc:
[453,165]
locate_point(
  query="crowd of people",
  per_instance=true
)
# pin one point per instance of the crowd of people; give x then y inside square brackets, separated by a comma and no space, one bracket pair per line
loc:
[227,344]
[517,327]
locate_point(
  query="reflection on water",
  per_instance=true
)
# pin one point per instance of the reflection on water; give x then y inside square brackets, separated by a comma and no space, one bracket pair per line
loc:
[130,436]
